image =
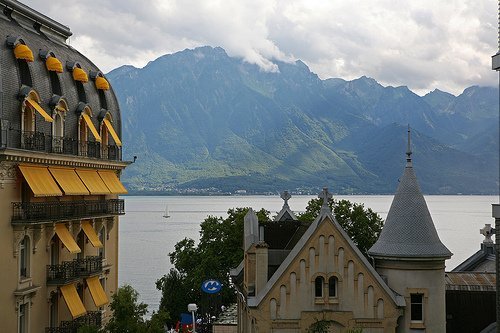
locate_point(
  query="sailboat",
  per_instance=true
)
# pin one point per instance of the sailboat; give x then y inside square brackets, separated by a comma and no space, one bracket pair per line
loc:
[167,213]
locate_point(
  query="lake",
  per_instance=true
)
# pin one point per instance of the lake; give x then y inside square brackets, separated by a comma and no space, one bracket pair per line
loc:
[146,237]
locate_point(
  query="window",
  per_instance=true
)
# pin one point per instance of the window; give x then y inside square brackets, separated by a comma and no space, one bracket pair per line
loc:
[80,240]
[332,287]
[102,99]
[82,96]
[53,310]
[417,307]
[24,72]
[24,252]
[102,238]
[54,83]
[318,287]
[23,324]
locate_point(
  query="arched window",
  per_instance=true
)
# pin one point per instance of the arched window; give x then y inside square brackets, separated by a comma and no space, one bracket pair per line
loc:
[102,99]
[318,286]
[332,286]
[82,96]
[80,240]
[102,238]
[59,114]
[54,66]
[24,257]
[24,72]
[80,77]
[54,251]
[55,83]
[23,54]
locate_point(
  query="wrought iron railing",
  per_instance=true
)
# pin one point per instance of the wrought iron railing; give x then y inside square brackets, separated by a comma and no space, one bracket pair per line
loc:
[35,212]
[92,318]
[69,271]
[39,141]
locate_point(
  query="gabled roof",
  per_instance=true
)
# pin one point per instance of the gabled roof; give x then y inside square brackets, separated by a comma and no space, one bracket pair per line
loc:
[409,231]
[324,217]
[478,261]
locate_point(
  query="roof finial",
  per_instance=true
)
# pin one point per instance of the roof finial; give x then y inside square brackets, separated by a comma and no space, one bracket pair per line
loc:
[285,196]
[408,150]
[325,195]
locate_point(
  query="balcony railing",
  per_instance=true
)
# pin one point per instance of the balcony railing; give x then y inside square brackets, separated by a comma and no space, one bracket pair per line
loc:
[73,270]
[92,318]
[36,212]
[39,141]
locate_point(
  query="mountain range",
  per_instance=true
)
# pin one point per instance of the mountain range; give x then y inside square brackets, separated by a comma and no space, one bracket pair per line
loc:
[201,121]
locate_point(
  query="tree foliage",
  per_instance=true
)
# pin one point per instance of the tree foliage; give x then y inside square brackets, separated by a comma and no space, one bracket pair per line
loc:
[362,224]
[220,249]
[128,313]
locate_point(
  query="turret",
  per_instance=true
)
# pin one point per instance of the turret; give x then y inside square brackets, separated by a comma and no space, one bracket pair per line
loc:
[410,255]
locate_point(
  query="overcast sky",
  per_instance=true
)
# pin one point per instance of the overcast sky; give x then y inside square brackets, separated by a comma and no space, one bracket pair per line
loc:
[424,44]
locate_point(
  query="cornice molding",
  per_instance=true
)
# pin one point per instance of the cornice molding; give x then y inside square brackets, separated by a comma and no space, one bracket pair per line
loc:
[24,156]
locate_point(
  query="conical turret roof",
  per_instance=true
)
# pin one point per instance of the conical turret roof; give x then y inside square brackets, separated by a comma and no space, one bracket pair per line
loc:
[409,231]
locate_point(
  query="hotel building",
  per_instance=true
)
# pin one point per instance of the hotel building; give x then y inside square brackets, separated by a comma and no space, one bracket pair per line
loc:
[60,163]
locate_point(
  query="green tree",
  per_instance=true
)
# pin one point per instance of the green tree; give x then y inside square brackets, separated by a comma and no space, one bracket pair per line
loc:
[362,224]
[175,292]
[128,313]
[219,250]
[88,329]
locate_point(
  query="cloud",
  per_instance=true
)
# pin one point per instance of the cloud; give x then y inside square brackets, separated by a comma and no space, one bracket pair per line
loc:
[422,44]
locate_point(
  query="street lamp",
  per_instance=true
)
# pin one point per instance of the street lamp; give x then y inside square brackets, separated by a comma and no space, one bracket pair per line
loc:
[192,308]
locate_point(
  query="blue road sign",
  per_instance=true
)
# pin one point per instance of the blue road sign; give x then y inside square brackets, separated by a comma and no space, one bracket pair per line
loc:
[211,286]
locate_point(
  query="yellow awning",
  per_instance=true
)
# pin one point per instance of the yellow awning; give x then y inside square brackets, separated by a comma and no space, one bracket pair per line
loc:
[112,182]
[80,75]
[40,181]
[69,181]
[90,232]
[91,126]
[93,182]
[39,109]
[73,301]
[97,291]
[22,51]
[112,132]
[54,65]
[66,238]
[101,83]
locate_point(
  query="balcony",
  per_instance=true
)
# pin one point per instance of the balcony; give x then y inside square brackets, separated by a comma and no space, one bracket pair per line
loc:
[40,212]
[39,141]
[69,271]
[92,318]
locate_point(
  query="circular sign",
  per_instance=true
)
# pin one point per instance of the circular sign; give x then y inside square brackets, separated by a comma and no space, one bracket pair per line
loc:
[211,286]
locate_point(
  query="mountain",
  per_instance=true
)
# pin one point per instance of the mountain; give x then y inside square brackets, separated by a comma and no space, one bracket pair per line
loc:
[203,122]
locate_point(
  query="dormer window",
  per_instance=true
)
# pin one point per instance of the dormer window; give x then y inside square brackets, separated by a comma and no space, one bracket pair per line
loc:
[23,54]
[54,66]
[101,85]
[80,77]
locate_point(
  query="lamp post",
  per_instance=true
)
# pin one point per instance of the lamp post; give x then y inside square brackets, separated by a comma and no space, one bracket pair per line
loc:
[192,308]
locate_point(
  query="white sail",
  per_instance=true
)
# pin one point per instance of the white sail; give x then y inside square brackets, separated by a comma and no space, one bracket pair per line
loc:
[167,213]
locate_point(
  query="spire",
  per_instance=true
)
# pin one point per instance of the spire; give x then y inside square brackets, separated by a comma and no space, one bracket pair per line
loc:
[409,231]
[408,150]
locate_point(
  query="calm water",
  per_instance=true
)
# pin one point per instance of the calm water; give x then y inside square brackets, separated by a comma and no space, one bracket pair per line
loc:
[146,237]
